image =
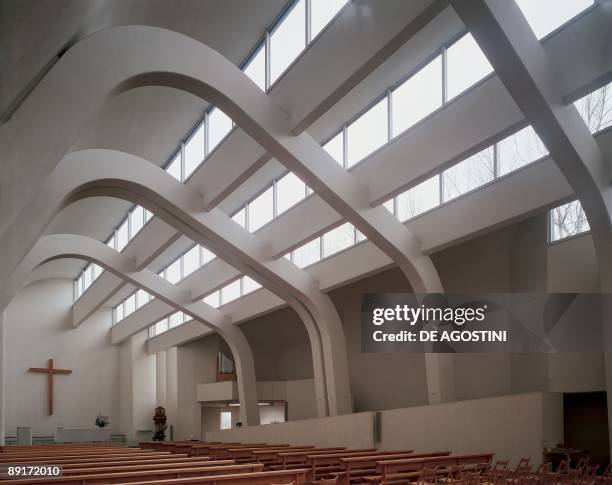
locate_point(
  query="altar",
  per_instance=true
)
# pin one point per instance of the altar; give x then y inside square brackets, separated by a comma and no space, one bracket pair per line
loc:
[77,435]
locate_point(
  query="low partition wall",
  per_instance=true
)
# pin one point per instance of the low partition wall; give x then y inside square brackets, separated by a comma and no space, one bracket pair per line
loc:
[512,427]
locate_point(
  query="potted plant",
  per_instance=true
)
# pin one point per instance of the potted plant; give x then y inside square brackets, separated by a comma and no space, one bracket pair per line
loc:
[102,421]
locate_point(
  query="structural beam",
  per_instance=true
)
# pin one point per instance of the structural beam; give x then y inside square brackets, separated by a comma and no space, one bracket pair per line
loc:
[59,246]
[530,77]
[90,173]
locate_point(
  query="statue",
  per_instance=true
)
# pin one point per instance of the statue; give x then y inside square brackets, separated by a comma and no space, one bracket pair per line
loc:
[160,424]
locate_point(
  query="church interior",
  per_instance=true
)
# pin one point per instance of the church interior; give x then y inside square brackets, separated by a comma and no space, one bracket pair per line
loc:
[197,196]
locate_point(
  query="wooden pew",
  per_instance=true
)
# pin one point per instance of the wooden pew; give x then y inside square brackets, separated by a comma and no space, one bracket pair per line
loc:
[160,476]
[297,459]
[406,470]
[359,466]
[293,477]
[40,458]
[246,453]
[202,449]
[79,469]
[323,464]
[84,459]
[270,456]
[219,452]
[66,449]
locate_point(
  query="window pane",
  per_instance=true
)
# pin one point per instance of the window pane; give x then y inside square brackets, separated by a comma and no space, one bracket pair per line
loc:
[367,133]
[194,150]
[240,217]
[219,125]
[87,277]
[596,108]
[136,220]
[544,16]
[307,254]
[261,210]
[468,174]
[419,199]
[174,168]
[160,327]
[417,97]
[249,285]
[288,40]
[97,271]
[338,239]
[119,312]
[519,149]
[130,304]
[142,298]
[176,319]
[360,235]
[466,65]
[389,206]
[226,420]
[289,191]
[230,292]
[212,299]
[335,147]
[191,260]
[148,215]
[111,241]
[122,236]
[256,69]
[173,272]
[206,255]
[568,220]
[322,11]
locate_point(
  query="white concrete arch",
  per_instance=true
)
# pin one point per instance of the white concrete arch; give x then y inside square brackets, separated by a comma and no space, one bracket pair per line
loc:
[114,60]
[117,59]
[506,38]
[90,173]
[59,246]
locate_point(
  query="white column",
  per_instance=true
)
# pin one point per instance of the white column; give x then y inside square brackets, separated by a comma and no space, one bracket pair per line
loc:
[2,377]
[160,382]
[171,385]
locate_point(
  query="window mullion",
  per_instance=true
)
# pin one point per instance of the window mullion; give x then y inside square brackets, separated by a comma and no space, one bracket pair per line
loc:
[267,59]
[344,147]
[308,7]
[444,76]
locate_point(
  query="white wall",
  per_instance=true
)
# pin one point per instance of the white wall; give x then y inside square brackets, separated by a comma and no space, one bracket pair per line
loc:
[512,427]
[196,363]
[38,327]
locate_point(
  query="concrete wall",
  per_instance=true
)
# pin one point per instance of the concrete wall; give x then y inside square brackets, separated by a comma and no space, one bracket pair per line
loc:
[196,363]
[510,426]
[483,425]
[38,327]
[516,258]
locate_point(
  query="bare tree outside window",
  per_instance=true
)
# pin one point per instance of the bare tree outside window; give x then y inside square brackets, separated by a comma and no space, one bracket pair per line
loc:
[468,175]
[419,199]
[567,220]
[596,108]
[519,149]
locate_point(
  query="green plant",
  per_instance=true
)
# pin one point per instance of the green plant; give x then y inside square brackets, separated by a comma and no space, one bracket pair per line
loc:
[102,421]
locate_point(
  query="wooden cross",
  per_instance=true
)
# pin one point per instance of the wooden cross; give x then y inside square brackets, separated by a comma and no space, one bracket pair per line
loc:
[49,370]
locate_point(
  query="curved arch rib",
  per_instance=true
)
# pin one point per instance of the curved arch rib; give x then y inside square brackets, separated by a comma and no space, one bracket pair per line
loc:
[521,63]
[121,58]
[99,172]
[59,246]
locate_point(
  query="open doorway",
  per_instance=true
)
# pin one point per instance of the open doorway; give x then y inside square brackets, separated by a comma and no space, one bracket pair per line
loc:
[585,416]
